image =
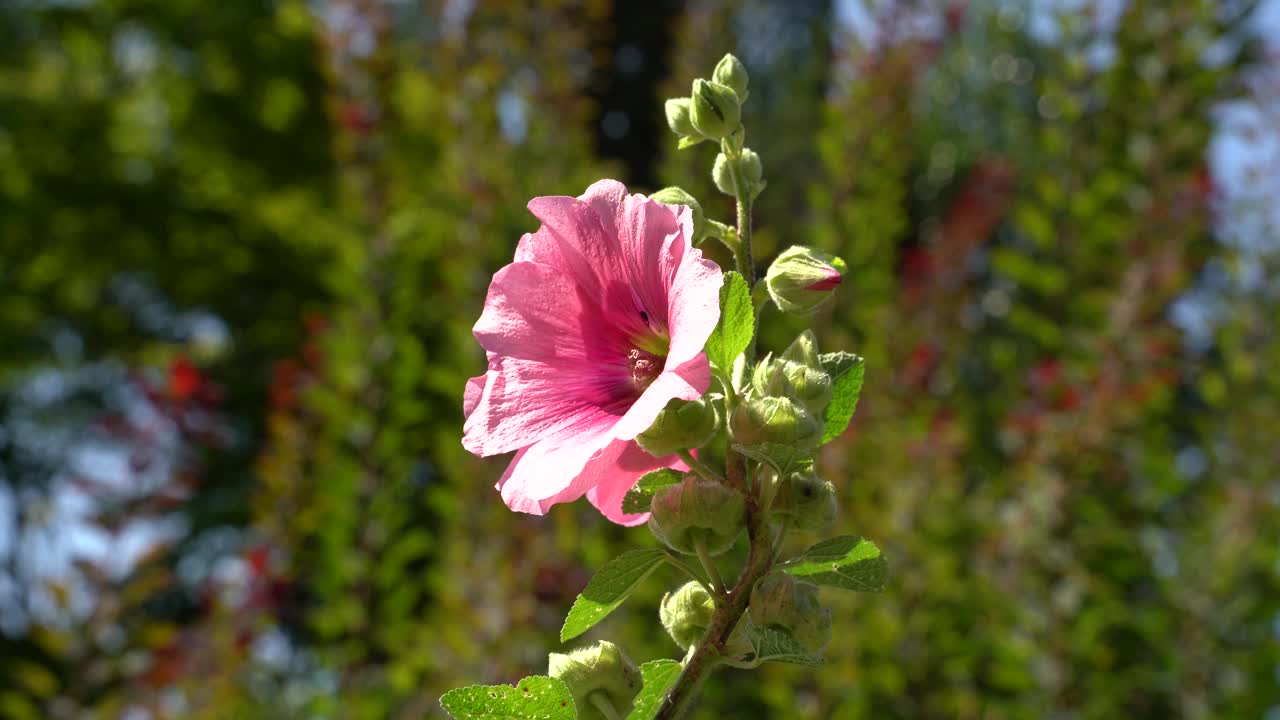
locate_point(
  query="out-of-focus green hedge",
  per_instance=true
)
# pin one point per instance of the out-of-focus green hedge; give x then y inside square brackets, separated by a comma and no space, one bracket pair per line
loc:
[243,245]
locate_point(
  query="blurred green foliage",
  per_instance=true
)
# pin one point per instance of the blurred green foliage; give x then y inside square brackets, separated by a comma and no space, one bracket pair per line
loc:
[244,244]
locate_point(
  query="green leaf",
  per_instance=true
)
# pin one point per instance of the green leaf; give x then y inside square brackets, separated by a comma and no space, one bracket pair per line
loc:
[689,141]
[848,562]
[783,458]
[658,676]
[737,323]
[639,498]
[846,371]
[776,646]
[608,589]
[535,698]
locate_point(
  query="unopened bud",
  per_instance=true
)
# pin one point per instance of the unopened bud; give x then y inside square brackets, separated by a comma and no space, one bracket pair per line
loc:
[722,174]
[780,602]
[801,279]
[714,109]
[805,501]
[686,613]
[601,668]
[804,350]
[731,73]
[810,385]
[680,196]
[749,162]
[679,117]
[681,425]
[777,420]
[697,511]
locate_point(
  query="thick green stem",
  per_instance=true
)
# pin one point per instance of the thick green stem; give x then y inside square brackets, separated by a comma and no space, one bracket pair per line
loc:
[709,565]
[710,650]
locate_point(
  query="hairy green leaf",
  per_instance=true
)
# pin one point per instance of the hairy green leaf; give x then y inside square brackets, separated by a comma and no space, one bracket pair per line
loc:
[658,676]
[610,586]
[639,498]
[534,698]
[737,323]
[846,371]
[847,561]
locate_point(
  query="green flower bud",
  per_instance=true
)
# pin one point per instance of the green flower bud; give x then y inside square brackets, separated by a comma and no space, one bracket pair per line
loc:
[714,109]
[723,175]
[679,117]
[600,668]
[697,510]
[778,420]
[731,73]
[804,350]
[679,196]
[801,279]
[680,425]
[811,386]
[805,501]
[780,602]
[686,613]
[750,167]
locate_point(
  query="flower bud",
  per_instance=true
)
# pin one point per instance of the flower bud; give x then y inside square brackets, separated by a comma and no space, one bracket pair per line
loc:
[778,420]
[810,385]
[686,613]
[679,117]
[679,196]
[805,501]
[804,350]
[697,510]
[750,167]
[600,668]
[731,73]
[801,279]
[681,425]
[714,109]
[780,602]
[722,174]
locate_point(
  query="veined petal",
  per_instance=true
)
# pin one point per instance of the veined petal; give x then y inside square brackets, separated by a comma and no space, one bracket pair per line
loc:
[695,307]
[549,472]
[538,312]
[525,401]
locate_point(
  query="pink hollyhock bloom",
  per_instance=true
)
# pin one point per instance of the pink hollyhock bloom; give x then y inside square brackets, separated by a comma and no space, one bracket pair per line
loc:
[598,323]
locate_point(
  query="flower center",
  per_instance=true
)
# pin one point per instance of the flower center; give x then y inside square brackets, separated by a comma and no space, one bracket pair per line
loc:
[645,367]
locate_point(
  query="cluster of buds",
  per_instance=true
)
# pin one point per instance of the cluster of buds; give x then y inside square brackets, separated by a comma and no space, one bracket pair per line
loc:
[713,111]
[787,397]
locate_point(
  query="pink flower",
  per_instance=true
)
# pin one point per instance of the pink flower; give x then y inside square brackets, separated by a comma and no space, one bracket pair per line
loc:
[598,323]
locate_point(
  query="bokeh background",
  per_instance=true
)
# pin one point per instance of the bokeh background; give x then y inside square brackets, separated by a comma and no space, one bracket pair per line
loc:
[242,244]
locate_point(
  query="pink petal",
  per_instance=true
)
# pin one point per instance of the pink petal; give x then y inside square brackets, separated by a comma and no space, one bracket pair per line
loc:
[695,307]
[652,246]
[687,382]
[526,401]
[471,394]
[537,312]
[547,472]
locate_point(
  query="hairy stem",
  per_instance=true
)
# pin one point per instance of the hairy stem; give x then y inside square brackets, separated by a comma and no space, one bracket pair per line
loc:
[709,564]
[699,467]
[710,650]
